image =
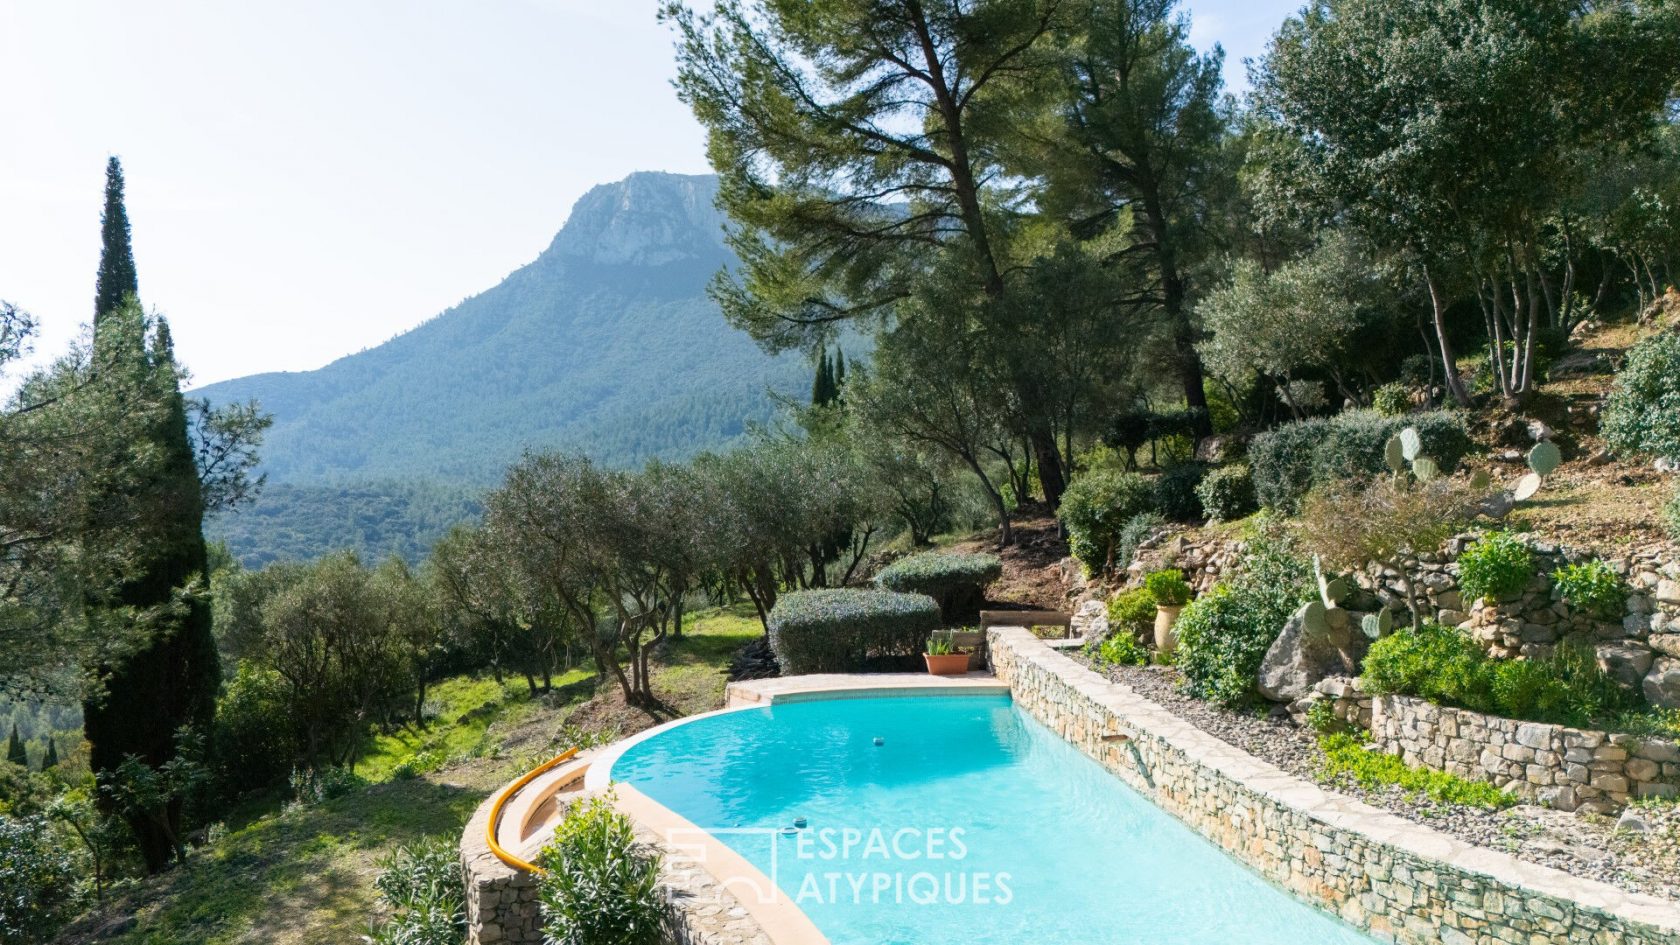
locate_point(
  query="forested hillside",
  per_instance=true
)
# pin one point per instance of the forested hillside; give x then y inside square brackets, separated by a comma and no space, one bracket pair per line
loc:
[606,342]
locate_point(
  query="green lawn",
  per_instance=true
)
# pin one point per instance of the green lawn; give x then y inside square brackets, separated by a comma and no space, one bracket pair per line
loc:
[305,875]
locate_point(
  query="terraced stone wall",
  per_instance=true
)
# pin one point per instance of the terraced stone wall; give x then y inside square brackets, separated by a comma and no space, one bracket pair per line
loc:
[1397,879]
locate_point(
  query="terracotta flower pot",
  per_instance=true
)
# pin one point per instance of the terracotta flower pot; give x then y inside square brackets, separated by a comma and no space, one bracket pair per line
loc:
[1165,616]
[950,664]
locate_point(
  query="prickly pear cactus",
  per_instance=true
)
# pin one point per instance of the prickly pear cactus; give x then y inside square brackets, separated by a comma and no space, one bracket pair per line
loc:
[1377,625]
[1425,469]
[1545,458]
[1411,444]
[1394,454]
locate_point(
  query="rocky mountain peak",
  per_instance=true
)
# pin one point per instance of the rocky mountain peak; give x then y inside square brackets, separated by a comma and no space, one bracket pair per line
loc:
[647,219]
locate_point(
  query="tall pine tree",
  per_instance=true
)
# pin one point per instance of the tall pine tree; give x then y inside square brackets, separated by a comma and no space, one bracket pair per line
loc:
[15,752]
[142,701]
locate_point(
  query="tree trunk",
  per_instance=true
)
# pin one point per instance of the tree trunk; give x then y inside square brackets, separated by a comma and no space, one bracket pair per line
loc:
[1438,312]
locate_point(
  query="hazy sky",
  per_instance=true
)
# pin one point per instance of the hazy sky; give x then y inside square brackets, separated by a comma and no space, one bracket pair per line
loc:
[308,179]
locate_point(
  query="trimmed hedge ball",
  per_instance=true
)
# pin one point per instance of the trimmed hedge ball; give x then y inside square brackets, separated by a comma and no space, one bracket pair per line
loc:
[957,581]
[836,631]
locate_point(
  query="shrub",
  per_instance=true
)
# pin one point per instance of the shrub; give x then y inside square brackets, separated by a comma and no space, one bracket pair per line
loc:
[1289,461]
[1445,666]
[1498,565]
[1175,492]
[1123,649]
[255,742]
[1131,612]
[314,785]
[1168,587]
[421,886]
[1642,414]
[1224,634]
[835,631]
[1227,493]
[1132,534]
[38,891]
[1592,587]
[602,888]
[1096,507]
[1347,759]
[1392,400]
[957,581]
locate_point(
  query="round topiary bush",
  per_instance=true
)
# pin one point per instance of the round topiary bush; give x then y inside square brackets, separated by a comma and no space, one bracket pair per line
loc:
[1289,461]
[1642,415]
[957,581]
[1227,493]
[1096,507]
[836,631]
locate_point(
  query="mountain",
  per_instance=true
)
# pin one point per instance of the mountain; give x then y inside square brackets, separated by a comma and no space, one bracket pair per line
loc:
[605,343]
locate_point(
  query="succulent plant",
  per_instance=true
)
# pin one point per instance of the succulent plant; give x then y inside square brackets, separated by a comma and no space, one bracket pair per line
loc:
[1544,458]
[1377,625]
[1406,448]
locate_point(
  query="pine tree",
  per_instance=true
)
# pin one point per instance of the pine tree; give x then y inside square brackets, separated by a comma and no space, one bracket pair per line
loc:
[117,278]
[15,752]
[170,683]
[49,760]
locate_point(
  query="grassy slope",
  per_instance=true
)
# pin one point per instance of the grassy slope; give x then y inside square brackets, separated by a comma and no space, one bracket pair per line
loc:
[306,875]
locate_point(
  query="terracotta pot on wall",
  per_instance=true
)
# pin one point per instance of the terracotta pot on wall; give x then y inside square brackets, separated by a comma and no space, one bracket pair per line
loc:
[950,664]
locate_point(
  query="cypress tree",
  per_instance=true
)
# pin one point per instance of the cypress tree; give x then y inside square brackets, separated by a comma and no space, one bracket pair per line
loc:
[15,752]
[49,760]
[822,386]
[170,683]
[117,278]
[839,371]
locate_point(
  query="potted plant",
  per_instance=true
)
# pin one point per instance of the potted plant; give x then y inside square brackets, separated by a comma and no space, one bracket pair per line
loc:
[1171,593]
[942,656]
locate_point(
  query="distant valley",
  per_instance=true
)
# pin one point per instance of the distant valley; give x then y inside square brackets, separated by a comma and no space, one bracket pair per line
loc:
[606,343]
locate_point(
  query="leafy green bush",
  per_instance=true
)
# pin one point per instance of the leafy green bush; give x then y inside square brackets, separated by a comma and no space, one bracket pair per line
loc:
[38,891]
[1224,634]
[255,739]
[1445,666]
[1096,507]
[1347,759]
[835,631]
[1122,649]
[1392,400]
[1176,497]
[1227,493]
[1131,612]
[1498,565]
[1289,461]
[957,581]
[1168,587]
[421,886]
[1642,414]
[1593,587]
[602,888]
[314,785]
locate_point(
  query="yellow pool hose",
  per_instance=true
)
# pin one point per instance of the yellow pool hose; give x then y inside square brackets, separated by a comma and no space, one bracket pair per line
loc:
[504,797]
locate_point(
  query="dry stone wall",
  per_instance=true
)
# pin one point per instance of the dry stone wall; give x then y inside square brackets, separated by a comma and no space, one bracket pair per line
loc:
[1641,648]
[1399,880]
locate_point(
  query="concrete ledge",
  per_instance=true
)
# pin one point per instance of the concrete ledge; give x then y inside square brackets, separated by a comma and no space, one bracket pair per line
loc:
[1397,879]
[783,689]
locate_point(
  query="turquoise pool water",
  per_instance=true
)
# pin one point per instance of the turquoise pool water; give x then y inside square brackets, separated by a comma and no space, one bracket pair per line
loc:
[970,824]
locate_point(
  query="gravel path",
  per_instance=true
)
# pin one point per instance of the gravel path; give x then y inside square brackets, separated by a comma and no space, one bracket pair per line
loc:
[1587,846]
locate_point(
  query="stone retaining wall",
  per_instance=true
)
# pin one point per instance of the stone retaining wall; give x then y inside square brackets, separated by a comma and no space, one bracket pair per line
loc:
[1640,647]
[1377,871]
[1557,766]
[503,909]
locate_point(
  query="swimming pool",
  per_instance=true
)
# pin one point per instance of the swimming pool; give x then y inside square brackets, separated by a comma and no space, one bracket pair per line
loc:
[968,823]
